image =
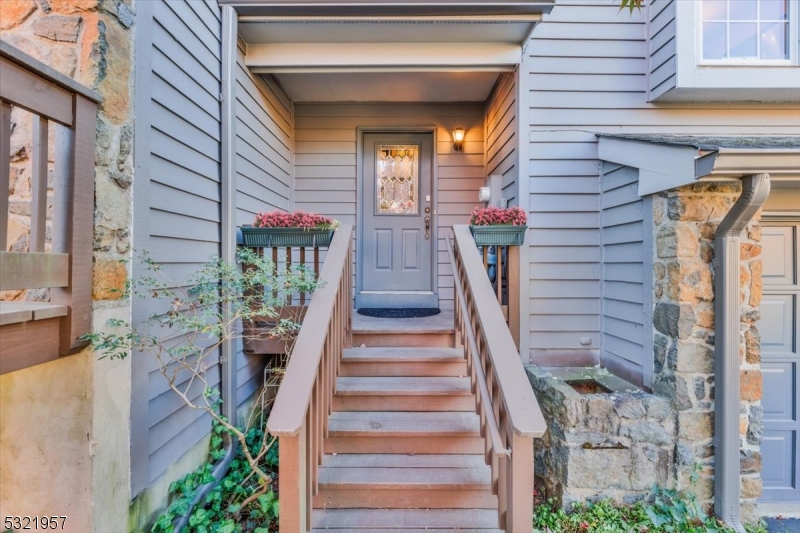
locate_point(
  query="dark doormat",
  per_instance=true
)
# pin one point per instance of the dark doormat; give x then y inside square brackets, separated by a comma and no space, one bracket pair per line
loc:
[406,312]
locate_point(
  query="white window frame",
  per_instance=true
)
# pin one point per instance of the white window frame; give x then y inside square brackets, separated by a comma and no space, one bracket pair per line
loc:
[792,35]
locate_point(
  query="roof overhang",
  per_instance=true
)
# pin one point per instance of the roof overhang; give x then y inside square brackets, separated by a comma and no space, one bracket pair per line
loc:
[371,8]
[360,36]
[666,162]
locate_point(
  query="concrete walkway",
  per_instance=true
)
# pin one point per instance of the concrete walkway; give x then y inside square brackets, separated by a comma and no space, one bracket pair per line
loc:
[785,525]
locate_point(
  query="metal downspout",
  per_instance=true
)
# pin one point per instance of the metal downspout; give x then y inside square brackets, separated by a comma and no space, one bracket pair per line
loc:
[227,245]
[755,189]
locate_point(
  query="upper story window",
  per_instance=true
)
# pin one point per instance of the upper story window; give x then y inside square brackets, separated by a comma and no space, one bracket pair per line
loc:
[746,30]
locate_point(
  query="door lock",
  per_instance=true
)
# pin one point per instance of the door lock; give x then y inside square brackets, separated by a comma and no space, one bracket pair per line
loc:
[427,228]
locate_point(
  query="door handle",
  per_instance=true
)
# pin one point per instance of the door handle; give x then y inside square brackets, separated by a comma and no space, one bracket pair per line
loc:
[427,228]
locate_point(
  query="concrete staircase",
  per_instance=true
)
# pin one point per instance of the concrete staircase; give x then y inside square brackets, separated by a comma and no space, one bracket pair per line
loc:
[404,450]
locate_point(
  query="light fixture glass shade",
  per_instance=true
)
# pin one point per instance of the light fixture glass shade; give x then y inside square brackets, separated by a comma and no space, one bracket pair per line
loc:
[458,138]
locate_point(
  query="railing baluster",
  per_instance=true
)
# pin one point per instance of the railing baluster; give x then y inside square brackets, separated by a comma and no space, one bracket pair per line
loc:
[39,185]
[499,273]
[303,263]
[5,170]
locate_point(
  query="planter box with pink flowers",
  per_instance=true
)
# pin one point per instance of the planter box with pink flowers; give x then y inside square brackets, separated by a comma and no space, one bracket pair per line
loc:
[495,226]
[289,229]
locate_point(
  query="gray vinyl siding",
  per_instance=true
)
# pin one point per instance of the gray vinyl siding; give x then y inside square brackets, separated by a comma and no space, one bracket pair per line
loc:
[177,199]
[661,47]
[325,162]
[263,176]
[623,272]
[586,67]
[501,135]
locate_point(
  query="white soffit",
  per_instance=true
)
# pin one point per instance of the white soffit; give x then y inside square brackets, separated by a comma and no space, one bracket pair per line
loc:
[380,44]
[665,164]
[388,86]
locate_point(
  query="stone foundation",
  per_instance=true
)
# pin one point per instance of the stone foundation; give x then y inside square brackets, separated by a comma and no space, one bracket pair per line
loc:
[612,445]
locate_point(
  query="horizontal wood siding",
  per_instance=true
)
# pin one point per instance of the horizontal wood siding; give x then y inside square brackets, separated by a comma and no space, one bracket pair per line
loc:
[501,136]
[622,228]
[179,224]
[325,162]
[263,175]
[587,67]
[661,47]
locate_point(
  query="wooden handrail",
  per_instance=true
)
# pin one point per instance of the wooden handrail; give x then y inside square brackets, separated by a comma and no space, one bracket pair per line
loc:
[472,343]
[523,409]
[510,416]
[293,397]
[66,107]
[299,417]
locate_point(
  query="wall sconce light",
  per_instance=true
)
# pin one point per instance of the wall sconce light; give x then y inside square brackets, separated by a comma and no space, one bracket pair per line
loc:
[458,139]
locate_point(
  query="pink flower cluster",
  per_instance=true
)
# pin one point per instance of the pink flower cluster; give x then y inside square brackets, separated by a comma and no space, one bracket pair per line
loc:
[297,219]
[497,216]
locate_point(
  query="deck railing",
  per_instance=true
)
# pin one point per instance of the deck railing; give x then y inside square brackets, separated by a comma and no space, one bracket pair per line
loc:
[299,417]
[295,305]
[506,284]
[509,413]
[37,332]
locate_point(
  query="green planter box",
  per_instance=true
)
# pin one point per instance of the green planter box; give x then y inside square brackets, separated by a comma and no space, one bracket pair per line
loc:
[269,237]
[498,235]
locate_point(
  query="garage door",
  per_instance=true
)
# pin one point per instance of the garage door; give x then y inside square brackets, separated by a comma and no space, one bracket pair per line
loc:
[780,327]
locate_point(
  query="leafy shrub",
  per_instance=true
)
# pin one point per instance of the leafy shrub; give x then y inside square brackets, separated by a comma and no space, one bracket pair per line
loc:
[665,511]
[226,509]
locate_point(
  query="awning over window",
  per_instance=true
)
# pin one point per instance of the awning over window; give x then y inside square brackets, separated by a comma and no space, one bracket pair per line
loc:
[669,161]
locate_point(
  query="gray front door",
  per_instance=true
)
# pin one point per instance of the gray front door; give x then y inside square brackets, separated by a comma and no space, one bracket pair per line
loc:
[780,362]
[396,237]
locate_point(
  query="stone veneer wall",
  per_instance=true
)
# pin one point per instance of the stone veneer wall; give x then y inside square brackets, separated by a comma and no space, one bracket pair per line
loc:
[684,224]
[64,425]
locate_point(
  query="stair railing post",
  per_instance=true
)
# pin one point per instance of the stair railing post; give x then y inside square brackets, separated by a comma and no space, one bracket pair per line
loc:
[292,457]
[519,515]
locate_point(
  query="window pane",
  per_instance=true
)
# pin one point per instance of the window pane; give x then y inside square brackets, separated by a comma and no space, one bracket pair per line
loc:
[743,39]
[714,10]
[774,41]
[714,40]
[743,10]
[397,172]
[774,9]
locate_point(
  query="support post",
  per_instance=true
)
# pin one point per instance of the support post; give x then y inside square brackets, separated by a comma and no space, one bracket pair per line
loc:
[292,487]
[519,515]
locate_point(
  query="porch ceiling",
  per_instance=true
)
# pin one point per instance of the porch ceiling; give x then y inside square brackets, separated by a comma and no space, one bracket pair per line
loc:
[389,86]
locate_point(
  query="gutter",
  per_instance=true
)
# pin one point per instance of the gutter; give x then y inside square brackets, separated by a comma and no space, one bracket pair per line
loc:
[228,247]
[755,190]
